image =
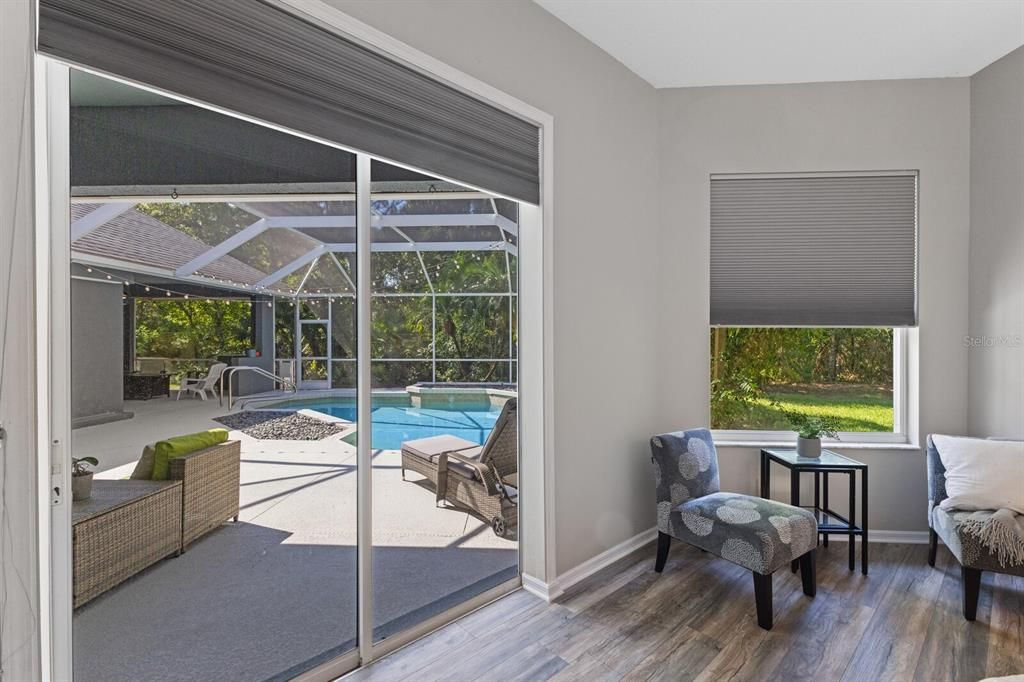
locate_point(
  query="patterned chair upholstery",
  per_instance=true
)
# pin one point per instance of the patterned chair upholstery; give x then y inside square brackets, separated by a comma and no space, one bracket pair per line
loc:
[758,534]
[948,525]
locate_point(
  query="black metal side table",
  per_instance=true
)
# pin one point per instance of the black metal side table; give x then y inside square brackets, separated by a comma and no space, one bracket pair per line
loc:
[829,522]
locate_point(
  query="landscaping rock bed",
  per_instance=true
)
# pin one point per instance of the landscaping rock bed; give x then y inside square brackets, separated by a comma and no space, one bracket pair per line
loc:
[279,425]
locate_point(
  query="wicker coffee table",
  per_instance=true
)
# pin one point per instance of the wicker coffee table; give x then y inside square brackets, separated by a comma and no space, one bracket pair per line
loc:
[124,527]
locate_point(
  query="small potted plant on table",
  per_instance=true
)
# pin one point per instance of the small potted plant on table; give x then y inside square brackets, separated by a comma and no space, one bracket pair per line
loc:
[809,430]
[81,477]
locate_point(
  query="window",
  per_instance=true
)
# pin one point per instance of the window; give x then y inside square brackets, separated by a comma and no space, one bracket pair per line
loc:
[758,374]
[813,284]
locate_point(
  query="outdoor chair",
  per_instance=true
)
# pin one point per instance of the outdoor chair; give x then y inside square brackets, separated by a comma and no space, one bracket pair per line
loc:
[200,386]
[758,534]
[483,479]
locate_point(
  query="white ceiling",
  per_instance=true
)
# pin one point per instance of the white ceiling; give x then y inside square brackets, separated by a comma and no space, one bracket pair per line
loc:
[683,43]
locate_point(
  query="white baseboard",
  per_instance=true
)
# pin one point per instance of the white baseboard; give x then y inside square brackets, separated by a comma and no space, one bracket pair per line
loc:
[538,587]
[553,590]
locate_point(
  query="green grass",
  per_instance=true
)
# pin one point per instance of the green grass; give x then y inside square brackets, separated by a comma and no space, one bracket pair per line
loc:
[857,407]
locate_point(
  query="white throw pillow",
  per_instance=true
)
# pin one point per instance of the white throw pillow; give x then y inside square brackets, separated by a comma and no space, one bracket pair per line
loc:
[982,474]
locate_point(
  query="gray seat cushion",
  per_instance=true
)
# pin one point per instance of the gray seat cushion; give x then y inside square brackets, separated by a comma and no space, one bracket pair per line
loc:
[463,469]
[964,546]
[758,534]
[430,448]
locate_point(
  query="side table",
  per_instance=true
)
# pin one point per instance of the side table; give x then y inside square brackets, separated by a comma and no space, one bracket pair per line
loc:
[829,522]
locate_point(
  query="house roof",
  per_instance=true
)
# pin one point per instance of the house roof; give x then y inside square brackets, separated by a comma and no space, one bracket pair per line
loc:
[141,239]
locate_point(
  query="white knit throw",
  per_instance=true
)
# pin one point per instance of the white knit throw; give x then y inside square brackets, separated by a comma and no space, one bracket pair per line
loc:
[1002,533]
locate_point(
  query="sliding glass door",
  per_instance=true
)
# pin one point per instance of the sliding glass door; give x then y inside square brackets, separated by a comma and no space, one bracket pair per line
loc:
[294,380]
[219,537]
[442,338]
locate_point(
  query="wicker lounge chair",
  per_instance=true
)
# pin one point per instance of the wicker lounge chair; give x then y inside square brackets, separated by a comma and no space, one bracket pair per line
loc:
[483,479]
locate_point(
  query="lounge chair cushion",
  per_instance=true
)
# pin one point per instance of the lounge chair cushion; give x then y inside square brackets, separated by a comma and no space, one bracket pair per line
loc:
[430,448]
[462,468]
[179,446]
[760,535]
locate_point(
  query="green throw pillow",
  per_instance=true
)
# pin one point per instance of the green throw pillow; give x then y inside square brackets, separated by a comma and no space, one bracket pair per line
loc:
[179,446]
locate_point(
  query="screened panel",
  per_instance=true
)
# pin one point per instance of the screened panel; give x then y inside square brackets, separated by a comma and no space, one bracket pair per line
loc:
[284,329]
[343,374]
[399,272]
[386,234]
[343,328]
[431,206]
[314,370]
[301,209]
[330,235]
[271,250]
[314,340]
[402,327]
[208,222]
[513,272]
[508,209]
[314,308]
[487,235]
[394,374]
[493,371]
[472,327]
[467,271]
[326,277]
[818,250]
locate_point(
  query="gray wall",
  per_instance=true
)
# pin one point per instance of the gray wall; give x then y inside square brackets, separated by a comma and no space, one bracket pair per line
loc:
[18,532]
[996,343]
[919,124]
[97,340]
[605,252]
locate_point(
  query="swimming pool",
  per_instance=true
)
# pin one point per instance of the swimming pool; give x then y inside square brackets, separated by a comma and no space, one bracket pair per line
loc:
[396,420]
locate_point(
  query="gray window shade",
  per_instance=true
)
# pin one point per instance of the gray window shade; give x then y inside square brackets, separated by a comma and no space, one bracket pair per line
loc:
[814,251]
[255,58]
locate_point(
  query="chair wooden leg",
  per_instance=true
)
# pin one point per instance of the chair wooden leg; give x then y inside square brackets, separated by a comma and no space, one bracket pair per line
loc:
[972,588]
[808,564]
[933,546]
[664,541]
[763,599]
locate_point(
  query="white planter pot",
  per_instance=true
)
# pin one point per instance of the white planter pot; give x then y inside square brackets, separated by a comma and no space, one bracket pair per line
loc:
[808,447]
[81,487]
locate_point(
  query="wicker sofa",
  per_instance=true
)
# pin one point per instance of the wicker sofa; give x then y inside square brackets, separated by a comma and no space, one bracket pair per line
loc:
[131,524]
[210,483]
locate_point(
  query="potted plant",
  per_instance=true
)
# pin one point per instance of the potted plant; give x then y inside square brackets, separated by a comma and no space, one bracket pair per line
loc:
[809,430]
[81,477]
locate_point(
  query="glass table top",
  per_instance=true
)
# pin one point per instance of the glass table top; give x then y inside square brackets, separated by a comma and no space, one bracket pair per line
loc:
[827,459]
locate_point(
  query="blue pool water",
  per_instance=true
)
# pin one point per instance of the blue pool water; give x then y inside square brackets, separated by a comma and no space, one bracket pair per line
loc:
[395,423]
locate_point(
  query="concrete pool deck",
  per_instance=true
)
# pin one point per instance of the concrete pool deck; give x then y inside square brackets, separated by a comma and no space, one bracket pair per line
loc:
[281,582]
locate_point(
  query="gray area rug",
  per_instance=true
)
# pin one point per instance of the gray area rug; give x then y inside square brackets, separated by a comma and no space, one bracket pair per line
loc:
[279,425]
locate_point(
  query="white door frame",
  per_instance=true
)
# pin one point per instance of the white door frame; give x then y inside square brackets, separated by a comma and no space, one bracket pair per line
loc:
[537,528]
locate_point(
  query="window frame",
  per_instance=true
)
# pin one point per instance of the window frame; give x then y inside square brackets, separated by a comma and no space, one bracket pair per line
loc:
[898,435]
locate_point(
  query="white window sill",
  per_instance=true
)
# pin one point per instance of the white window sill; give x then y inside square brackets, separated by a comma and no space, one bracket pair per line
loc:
[825,445]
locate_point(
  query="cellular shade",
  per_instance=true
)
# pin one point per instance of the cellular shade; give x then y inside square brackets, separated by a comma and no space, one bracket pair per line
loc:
[829,251]
[255,58]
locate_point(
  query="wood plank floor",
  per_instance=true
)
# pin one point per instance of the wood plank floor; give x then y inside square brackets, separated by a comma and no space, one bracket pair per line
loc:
[696,622]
